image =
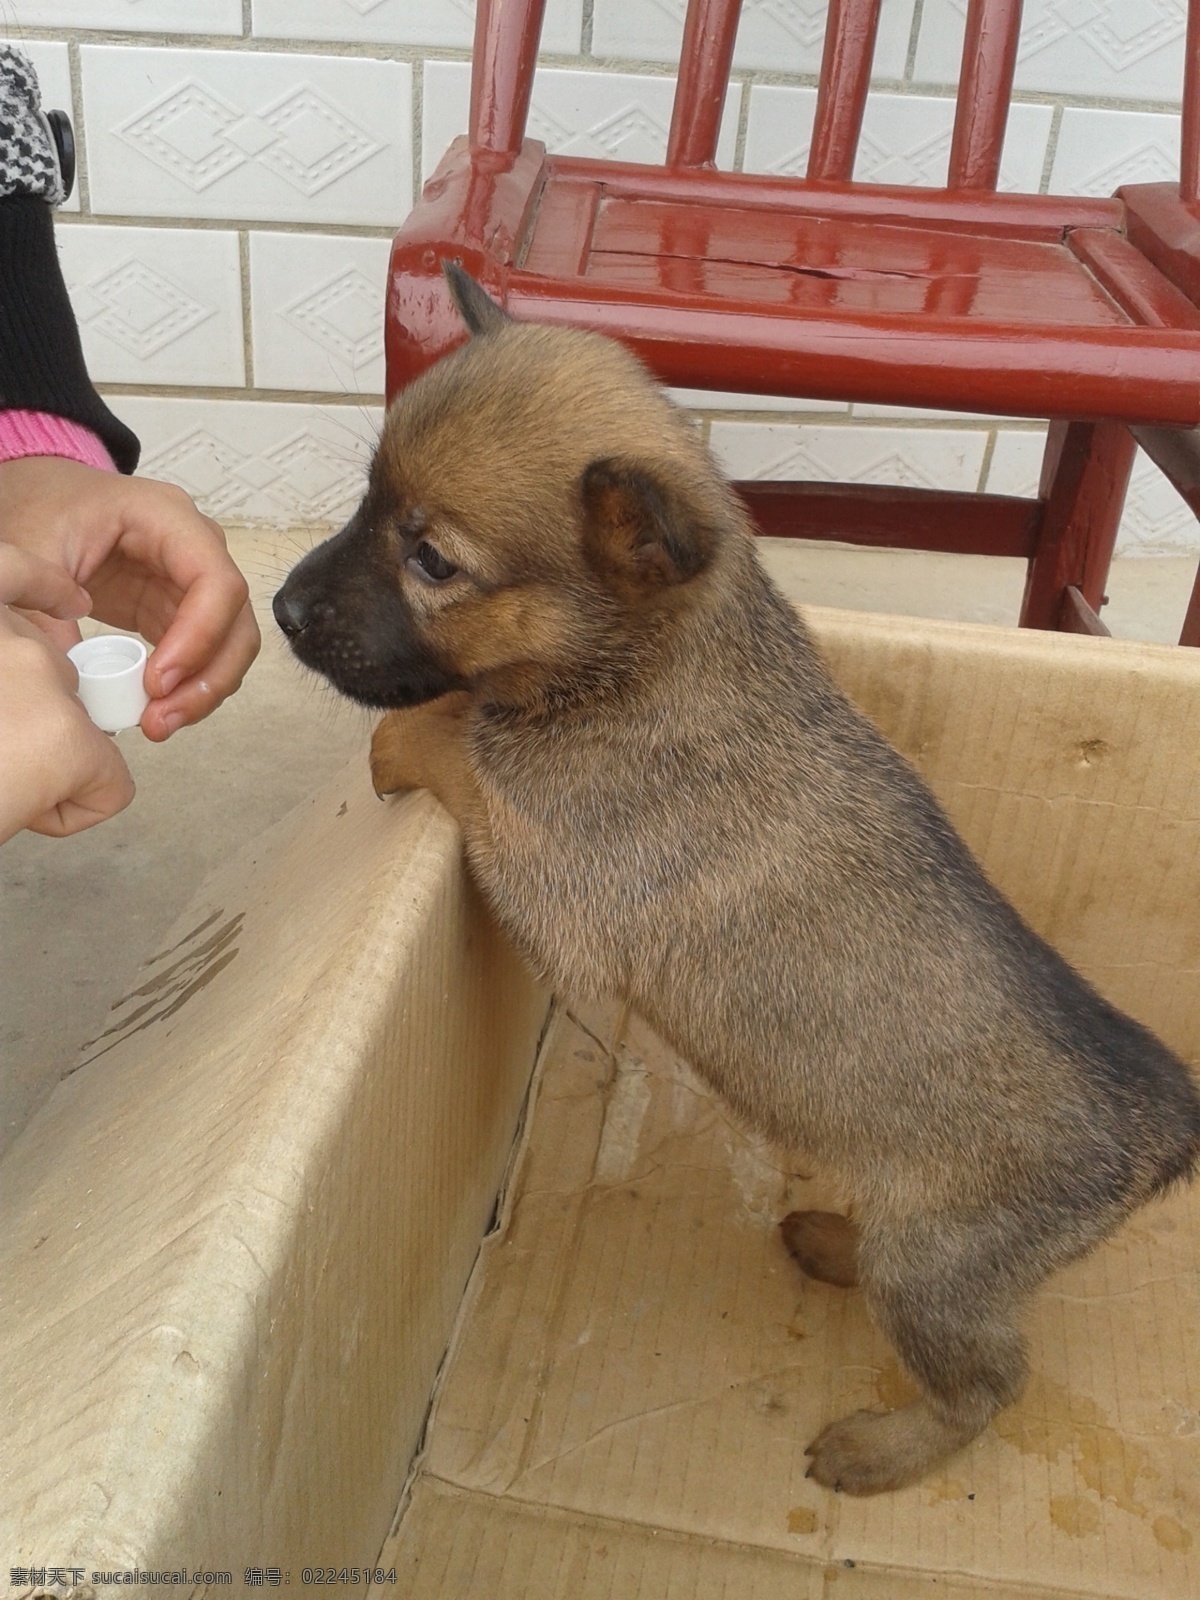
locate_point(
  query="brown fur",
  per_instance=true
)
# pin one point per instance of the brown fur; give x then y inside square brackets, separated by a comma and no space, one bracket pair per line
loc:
[666,798]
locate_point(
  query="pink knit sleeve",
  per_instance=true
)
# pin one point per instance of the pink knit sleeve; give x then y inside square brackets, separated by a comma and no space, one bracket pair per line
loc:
[39,433]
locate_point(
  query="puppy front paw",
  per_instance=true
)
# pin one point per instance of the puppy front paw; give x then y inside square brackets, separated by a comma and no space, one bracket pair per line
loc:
[391,756]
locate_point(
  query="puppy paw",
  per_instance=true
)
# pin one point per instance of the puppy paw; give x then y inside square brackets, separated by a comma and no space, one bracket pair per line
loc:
[870,1452]
[391,765]
[824,1245]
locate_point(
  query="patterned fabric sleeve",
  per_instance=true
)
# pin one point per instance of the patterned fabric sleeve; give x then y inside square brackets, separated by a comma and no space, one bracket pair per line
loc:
[28,161]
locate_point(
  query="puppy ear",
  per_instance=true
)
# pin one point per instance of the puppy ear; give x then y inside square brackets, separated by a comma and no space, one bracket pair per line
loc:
[475,305]
[639,530]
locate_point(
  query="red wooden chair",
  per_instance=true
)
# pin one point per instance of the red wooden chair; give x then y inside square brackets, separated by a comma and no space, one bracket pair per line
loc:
[1083,311]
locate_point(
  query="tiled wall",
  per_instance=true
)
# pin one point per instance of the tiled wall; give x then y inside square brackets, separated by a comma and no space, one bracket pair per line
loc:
[243,163]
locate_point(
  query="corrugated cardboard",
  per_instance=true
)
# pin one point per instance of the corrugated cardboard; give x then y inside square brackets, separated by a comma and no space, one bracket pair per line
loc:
[233,1243]
[639,1365]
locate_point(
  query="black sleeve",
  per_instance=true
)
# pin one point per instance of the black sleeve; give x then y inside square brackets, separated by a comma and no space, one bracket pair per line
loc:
[41,358]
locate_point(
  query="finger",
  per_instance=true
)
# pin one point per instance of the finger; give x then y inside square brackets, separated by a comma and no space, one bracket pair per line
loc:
[107,789]
[35,626]
[62,634]
[193,699]
[177,548]
[211,618]
[36,585]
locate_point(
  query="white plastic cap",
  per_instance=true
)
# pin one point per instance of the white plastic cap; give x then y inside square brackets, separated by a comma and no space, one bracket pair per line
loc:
[110,668]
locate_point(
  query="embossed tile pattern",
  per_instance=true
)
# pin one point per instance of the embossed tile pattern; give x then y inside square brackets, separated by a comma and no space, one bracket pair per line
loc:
[261,136]
[602,114]
[419,22]
[1016,462]
[131,16]
[156,305]
[317,312]
[931,458]
[1156,521]
[905,138]
[779,35]
[1127,49]
[1097,150]
[256,461]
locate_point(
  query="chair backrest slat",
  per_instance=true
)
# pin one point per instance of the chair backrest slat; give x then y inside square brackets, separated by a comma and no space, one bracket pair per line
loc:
[705,61]
[984,91]
[845,74]
[1189,155]
[506,45]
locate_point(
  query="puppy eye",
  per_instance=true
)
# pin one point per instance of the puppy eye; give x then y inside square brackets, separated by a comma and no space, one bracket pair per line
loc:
[430,565]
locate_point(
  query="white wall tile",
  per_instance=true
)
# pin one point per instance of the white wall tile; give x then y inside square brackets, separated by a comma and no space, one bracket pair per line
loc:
[1156,520]
[779,35]
[251,461]
[52,63]
[1126,49]
[721,400]
[156,305]
[905,138]
[1016,462]
[926,458]
[132,16]
[862,409]
[236,134]
[1097,150]
[317,312]
[418,22]
[601,114]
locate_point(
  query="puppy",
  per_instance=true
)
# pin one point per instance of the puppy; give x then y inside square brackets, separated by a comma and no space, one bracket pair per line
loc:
[666,798]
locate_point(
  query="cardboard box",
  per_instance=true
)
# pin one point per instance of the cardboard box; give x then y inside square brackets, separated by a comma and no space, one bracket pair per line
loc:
[224,1350]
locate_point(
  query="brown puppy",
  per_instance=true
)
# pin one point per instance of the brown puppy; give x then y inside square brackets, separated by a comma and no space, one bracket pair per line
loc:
[666,798]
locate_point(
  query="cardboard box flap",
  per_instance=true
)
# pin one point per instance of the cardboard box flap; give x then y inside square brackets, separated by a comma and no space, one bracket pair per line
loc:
[235,1239]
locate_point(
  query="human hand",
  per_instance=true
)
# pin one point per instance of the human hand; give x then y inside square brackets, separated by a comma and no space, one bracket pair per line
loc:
[152,563]
[58,773]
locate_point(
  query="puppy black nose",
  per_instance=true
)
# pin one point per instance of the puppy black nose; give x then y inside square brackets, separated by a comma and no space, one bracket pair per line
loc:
[291,613]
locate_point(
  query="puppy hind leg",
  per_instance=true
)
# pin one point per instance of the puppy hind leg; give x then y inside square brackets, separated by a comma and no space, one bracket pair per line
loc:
[951,1321]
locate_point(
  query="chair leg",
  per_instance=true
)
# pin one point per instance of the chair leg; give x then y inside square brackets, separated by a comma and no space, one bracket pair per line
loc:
[1190,634]
[1085,473]
[506,45]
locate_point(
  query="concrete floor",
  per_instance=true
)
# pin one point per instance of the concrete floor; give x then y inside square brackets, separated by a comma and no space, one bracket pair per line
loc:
[78,915]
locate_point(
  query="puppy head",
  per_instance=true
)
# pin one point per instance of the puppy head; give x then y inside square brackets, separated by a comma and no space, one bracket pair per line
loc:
[536,513]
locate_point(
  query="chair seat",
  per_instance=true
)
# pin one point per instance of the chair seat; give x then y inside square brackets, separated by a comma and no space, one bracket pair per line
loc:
[834,292]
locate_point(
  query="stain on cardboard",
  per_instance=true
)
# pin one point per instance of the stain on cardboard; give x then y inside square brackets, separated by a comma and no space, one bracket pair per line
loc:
[1075,1515]
[802,1519]
[1089,752]
[1051,1421]
[1170,1534]
[893,1388]
[166,992]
